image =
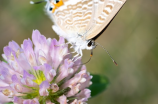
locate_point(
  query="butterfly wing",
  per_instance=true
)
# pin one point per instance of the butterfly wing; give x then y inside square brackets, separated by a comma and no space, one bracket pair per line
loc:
[83,17]
[110,9]
[73,17]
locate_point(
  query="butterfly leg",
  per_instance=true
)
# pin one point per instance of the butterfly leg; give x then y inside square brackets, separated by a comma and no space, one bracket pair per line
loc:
[75,56]
[68,43]
[70,53]
[79,53]
[73,52]
[63,44]
[71,47]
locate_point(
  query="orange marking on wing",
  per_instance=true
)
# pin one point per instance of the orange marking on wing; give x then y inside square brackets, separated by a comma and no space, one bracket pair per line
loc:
[60,3]
[53,9]
[105,11]
[110,6]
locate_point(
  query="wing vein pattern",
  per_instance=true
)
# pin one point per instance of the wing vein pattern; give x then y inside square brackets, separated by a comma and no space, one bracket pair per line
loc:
[85,17]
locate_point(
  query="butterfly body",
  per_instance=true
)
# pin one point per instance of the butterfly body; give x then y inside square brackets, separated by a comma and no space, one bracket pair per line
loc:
[80,21]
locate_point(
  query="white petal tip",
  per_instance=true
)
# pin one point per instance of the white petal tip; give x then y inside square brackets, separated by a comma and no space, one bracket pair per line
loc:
[83,80]
[90,83]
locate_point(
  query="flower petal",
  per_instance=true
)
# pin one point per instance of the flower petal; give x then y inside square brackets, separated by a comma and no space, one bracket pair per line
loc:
[43,88]
[39,41]
[49,72]
[27,102]
[18,100]
[28,50]
[65,70]
[4,99]
[34,101]
[62,99]
[84,95]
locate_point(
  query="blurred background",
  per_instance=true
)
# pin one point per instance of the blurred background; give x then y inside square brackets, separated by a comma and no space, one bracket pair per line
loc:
[131,39]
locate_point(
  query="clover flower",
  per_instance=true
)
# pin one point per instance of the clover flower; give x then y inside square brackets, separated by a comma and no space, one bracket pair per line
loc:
[42,74]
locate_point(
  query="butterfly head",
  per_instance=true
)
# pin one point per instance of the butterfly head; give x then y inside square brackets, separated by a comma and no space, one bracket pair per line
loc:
[91,45]
[52,5]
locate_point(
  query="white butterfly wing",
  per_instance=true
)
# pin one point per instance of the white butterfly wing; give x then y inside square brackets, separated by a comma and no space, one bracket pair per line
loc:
[73,17]
[84,17]
[110,9]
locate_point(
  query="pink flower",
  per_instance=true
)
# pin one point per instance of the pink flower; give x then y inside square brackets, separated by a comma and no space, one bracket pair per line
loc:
[41,71]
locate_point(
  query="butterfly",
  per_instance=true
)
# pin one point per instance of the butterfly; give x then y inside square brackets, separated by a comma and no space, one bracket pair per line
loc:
[81,22]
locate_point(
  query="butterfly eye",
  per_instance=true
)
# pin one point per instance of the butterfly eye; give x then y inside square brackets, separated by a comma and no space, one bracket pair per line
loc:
[51,9]
[56,1]
[91,44]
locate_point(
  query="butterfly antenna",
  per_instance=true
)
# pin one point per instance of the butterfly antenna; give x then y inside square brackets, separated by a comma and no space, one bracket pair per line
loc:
[87,61]
[108,54]
[89,58]
[38,2]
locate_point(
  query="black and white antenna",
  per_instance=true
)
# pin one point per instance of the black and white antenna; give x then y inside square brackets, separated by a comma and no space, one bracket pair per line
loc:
[108,54]
[38,2]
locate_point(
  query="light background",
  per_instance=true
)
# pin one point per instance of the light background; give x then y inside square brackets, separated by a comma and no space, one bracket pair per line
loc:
[132,40]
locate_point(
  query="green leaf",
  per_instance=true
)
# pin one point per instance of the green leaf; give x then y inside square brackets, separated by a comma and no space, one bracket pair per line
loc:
[4,60]
[9,103]
[99,84]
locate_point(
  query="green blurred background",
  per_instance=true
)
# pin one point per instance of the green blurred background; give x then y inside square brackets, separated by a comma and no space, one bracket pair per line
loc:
[132,40]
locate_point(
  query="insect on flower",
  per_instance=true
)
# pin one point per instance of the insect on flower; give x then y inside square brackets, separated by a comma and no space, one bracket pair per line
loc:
[81,22]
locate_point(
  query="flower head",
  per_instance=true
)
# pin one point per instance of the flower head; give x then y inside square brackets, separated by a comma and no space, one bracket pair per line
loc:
[40,71]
